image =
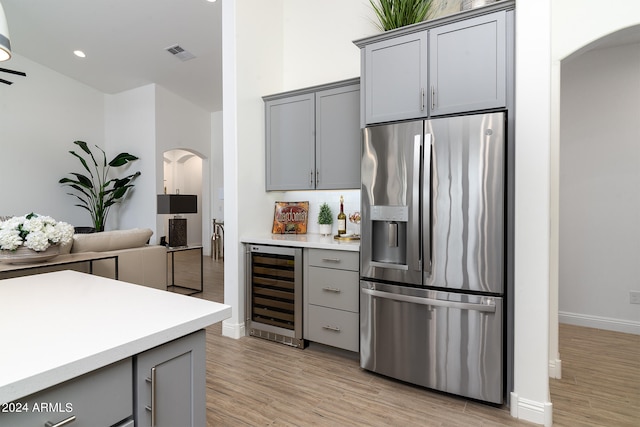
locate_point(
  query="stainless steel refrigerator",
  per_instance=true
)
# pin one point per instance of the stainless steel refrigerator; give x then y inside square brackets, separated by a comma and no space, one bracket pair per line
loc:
[432,253]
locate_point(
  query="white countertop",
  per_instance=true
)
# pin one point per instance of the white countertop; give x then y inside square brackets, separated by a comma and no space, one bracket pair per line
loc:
[310,240]
[57,326]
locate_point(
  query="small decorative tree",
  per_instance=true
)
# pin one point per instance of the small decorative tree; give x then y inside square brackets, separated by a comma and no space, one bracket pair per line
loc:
[96,192]
[325,216]
[325,219]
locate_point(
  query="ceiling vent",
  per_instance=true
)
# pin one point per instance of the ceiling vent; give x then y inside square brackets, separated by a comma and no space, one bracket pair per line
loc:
[180,53]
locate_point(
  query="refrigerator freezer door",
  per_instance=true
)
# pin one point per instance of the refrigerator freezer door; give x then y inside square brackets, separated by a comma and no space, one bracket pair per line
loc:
[466,216]
[390,227]
[445,341]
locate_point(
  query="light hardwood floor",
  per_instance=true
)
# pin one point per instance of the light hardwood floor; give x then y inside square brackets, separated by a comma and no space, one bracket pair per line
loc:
[254,382]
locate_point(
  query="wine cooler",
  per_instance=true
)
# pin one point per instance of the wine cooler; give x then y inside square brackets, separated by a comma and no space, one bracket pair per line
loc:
[274,300]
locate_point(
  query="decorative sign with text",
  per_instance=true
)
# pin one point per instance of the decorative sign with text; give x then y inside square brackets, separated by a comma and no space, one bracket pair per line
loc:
[290,218]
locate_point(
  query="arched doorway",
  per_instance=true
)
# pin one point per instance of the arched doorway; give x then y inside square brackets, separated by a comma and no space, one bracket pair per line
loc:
[599,178]
[182,173]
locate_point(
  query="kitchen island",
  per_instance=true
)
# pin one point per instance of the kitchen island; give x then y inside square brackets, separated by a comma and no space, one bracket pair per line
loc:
[60,329]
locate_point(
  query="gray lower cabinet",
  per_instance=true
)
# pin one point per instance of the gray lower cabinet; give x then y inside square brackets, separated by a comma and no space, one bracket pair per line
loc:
[312,138]
[170,384]
[468,65]
[101,398]
[445,67]
[331,298]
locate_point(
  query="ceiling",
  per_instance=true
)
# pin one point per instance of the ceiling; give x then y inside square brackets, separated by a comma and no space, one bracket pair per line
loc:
[125,43]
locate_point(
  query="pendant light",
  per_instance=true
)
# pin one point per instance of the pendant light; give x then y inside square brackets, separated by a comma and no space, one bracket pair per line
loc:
[5,44]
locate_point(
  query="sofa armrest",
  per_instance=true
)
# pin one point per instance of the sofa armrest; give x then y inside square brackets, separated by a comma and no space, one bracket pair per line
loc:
[145,265]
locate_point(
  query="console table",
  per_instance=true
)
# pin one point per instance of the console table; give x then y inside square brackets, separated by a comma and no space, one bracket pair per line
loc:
[172,251]
[62,260]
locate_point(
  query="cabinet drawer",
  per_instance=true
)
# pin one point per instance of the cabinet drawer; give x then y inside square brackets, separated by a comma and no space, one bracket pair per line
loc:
[343,260]
[100,398]
[333,327]
[334,288]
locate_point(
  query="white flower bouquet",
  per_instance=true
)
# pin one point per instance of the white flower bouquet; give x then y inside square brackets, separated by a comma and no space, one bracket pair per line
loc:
[33,231]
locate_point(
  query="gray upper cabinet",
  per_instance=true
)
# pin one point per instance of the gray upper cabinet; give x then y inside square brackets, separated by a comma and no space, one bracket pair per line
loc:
[313,138]
[395,78]
[290,143]
[450,65]
[467,65]
[338,138]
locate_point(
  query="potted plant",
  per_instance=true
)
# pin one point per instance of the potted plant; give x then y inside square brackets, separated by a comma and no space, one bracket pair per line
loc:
[97,192]
[399,13]
[325,219]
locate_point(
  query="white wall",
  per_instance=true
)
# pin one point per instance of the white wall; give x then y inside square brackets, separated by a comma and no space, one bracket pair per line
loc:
[217,167]
[182,125]
[600,189]
[40,117]
[575,28]
[530,398]
[130,127]
[318,40]
[307,44]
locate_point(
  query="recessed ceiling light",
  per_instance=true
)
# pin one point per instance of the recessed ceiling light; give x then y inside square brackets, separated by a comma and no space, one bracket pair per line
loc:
[211,1]
[79,54]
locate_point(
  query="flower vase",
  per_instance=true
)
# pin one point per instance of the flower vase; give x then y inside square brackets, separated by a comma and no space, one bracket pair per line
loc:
[24,255]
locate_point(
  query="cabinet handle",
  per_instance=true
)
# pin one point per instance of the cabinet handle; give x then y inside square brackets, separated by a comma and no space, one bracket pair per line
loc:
[317,177]
[331,328]
[334,290]
[311,180]
[61,423]
[433,97]
[153,397]
[422,99]
[331,259]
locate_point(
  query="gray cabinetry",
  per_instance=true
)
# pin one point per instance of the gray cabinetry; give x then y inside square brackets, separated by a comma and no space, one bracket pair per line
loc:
[451,65]
[467,65]
[395,78]
[170,384]
[331,298]
[338,138]
[290,142]
[100,398]
[313,138]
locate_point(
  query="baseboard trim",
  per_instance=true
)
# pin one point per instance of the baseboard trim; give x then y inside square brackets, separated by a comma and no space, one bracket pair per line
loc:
[233,330]
[599,322]
[530,410]
[555,368]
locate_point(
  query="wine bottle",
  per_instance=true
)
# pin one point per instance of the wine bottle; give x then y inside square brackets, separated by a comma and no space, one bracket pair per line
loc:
[342,219]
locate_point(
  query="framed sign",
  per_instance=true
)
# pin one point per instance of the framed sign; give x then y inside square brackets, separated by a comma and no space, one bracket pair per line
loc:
[290,218]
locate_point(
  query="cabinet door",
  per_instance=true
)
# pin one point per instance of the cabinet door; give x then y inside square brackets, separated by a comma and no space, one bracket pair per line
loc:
[467,65]
[395,78]
[338,138]
[170,384]
[99,398]
[290,143]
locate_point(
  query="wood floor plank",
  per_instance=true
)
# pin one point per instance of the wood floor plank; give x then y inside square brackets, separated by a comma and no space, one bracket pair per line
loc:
[254,382]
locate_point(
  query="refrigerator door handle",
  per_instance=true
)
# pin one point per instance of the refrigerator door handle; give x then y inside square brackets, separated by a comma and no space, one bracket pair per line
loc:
[426,204]
[488,306]
[414,223]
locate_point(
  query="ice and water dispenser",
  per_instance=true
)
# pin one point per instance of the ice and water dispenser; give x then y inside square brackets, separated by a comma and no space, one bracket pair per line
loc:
[389,236]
